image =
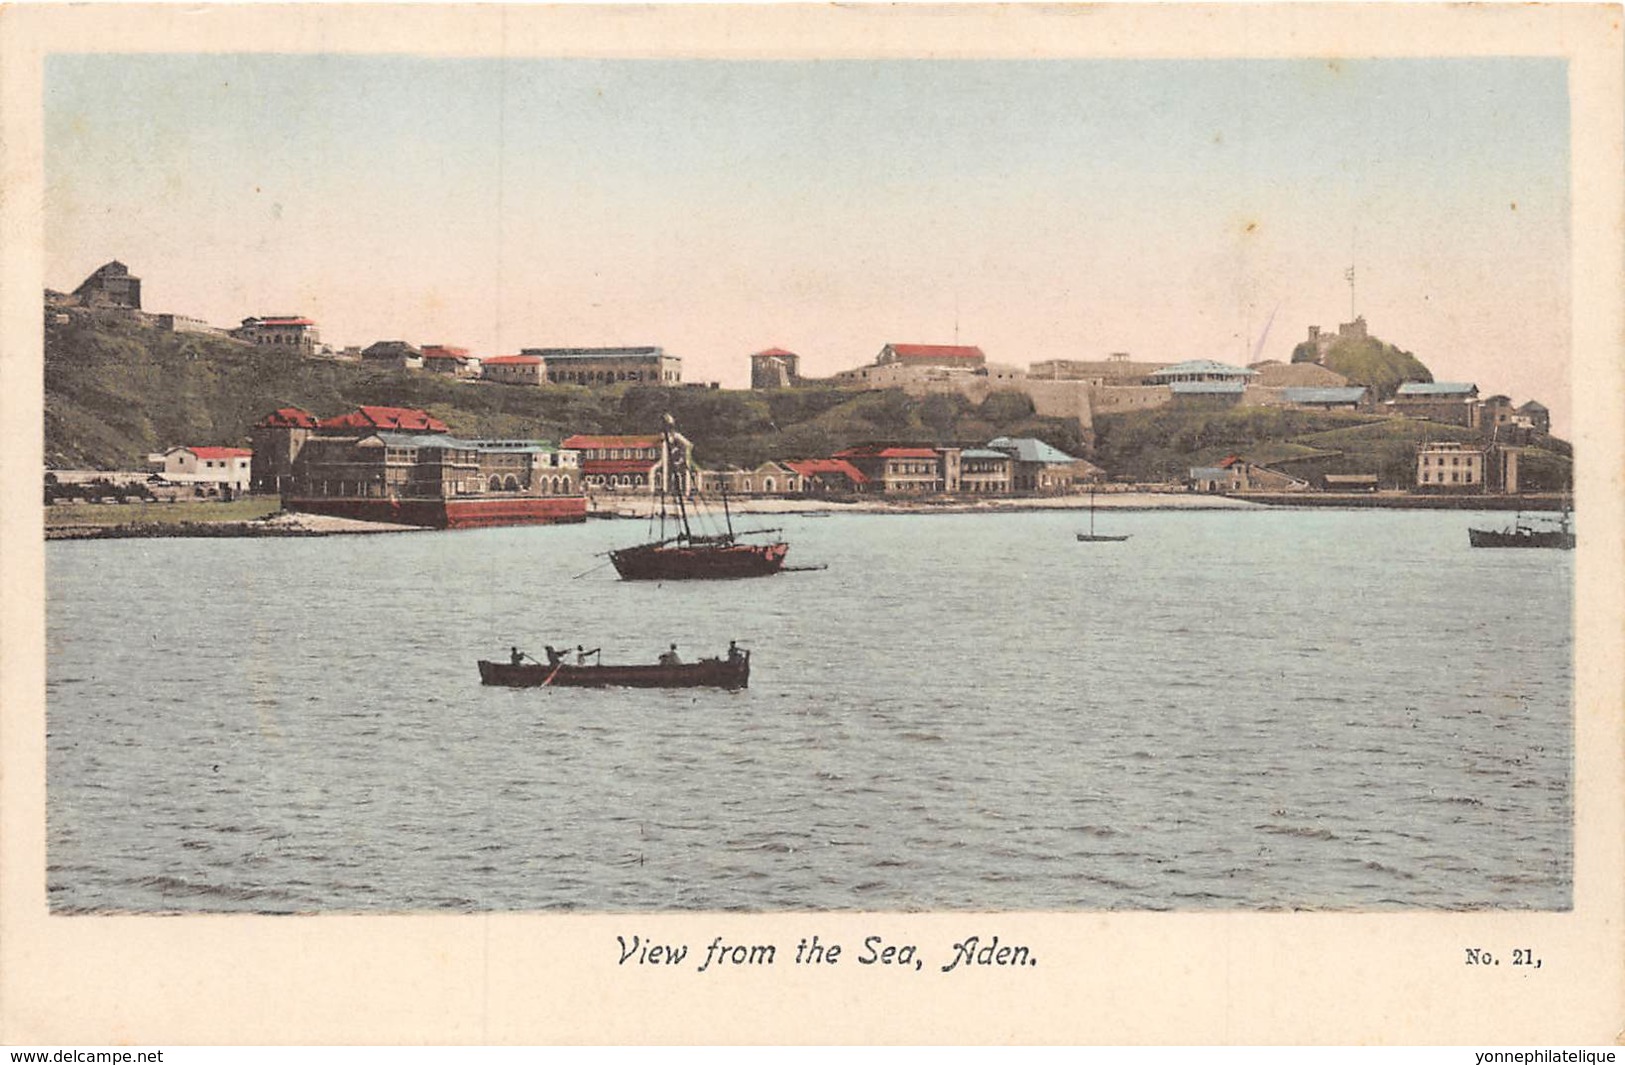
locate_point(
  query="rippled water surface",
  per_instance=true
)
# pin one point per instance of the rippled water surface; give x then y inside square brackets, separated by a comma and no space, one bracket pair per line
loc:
[1231,710]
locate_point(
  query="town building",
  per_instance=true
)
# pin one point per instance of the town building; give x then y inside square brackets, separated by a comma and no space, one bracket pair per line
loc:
[1535,416]
[404,465]
[827,477]
[1451,466]
[953,356]
[598,367]
[180,323]
[1347,397]
[278,438]
[893,469]
[631,463]
[775,368]
[514,370]
[222,471]
[899,365]
[1450,402]
[1038,467]
[1235,474]
[985,471]
[111,285]
[1116,369]
[455,362]
[1201,371]
[393,354]
[768,479]
[282,332]
[1496,413]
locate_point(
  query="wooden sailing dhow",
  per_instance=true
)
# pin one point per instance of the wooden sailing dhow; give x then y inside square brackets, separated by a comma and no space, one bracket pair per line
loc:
[690,555]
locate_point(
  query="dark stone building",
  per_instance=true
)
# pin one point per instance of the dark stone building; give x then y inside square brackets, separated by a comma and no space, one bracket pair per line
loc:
[112,285]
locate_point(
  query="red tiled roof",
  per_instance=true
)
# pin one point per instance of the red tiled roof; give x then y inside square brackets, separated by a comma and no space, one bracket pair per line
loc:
[442,351]
[617,465]
[219,452]
[935,351]
[587,442]
[884,452]
[289,417]
[284,321]
[513,360]
[775,351]
[814,467]
[386,418]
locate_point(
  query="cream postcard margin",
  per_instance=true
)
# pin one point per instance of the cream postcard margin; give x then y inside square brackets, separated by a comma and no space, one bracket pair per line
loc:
[1186,978]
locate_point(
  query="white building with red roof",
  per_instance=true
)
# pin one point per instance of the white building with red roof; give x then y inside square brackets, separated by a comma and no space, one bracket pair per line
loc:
[455,362]
[515,370]
[291,333]
[627,463]
[213,470]
[916,469]
[775,368]
[956,356]
[828,476]
[924,368]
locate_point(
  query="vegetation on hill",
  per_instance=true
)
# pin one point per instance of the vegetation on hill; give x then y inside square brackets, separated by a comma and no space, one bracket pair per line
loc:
[117,389]
[1367,361]
[1162,445]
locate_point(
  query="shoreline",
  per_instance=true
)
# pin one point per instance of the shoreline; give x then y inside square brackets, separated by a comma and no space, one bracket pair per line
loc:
[612,508]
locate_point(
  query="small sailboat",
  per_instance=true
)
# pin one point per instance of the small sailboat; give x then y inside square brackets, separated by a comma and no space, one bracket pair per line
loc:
[690,555]
[1091,537]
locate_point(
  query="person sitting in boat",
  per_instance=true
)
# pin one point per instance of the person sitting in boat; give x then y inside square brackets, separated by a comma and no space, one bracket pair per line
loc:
[554,656]
[517,657]
[734,653]
[582,654]
[670,657]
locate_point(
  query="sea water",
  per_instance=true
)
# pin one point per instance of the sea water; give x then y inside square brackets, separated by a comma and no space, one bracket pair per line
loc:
[1240,710]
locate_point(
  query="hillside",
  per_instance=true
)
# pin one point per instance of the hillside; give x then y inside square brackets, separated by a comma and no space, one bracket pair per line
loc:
[1368,361]
[117,390]
[1162,445]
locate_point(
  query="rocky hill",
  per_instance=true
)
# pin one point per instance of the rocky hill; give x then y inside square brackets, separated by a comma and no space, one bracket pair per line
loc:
[117,388]
[1365,360]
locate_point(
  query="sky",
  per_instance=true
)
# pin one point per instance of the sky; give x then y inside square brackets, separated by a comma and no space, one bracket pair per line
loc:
[1041,209]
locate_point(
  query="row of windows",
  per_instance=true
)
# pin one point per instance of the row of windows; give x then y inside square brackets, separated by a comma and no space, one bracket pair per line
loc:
[621,453]
[606,377]
[1455,460]
[1456,477]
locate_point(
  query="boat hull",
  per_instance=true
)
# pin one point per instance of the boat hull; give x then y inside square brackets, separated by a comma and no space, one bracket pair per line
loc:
[732,674]
[1090,538]
[699,562]
[1550,538]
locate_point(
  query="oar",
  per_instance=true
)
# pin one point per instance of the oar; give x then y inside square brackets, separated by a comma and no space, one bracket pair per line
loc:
[594,569]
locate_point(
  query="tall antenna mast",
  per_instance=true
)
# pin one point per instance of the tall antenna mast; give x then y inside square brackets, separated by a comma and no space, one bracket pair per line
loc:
[1349,275]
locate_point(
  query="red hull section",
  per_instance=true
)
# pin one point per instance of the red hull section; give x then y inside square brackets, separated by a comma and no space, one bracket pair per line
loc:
[461,513]
[705,562]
